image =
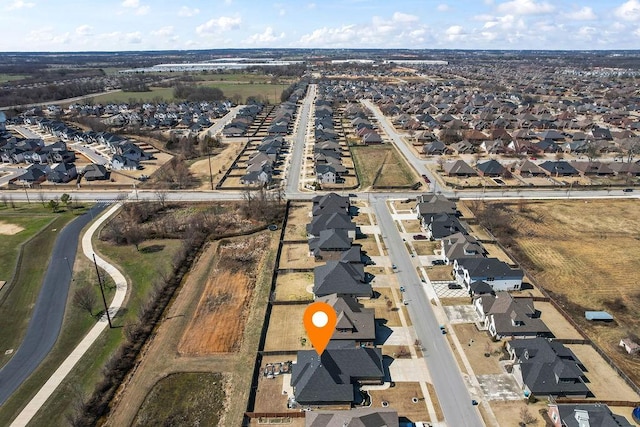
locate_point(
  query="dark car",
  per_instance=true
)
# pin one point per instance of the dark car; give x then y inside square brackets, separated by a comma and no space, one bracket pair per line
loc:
[454,286]
[628,190]
[419,237]
[426,179]
[438,262]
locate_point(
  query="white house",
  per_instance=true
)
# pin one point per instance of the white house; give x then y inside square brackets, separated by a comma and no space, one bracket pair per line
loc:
[496,273]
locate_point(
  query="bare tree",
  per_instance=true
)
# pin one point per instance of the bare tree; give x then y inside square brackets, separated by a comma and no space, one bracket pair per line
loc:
[85,298]
[161,197]
[631,148]
[42,198]
[527,417]
[12,203]
[134,236]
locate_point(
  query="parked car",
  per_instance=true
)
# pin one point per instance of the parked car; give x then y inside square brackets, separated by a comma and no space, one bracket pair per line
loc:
[438,262]
[474,402]
[419,237]
[628,190]
[426,179]
[454,286]
[443,330]
[401,288]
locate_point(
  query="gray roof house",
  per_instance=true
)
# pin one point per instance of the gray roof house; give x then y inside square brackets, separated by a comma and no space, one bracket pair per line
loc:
[93,172]
[333,377]
[461,245]
[545,367]
[434,204]
[491,168]
[358,417]
[590,415]
[330,203]
[354,321]
[342,278]
[558,168]
[459,168]
[505,316]
[339,221]
[497,273]
[330,244]
[438,226]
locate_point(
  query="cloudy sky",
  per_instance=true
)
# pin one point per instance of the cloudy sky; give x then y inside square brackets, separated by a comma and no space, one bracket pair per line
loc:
[76,25]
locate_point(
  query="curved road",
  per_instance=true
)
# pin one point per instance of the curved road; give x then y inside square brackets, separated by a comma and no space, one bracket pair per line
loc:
[46,320]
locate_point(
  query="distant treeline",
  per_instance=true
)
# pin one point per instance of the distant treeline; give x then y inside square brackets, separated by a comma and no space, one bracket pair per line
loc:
[198,93]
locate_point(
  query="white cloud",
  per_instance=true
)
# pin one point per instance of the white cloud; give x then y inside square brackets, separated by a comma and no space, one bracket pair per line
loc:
[637,32]
[442,7]
[84,30]
[629,11]
[143,10]
[587,33]
[330,36]
[163,32]
[133,38]
[135,4]
[188,12]
[404,17]
[456,33]
[217,25]
[265,37]
[131,3]
[525,7]
[20,4]
[584,14]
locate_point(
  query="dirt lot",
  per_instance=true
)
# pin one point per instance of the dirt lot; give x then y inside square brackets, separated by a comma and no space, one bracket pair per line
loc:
[369,245]
[286,330]
[399,398]
[572,246]
[218,323]
[404,206]
[425,247]
[440,272]
[269,394]
[9,229]
[480,364]
[494,251]
[560,327]
[296,255]
[219,164]
[412,226]
[299,217]
[604,383]
[382,311]
[293,287]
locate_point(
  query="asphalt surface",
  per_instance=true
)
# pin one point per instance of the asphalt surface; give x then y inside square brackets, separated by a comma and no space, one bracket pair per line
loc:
[452,392]
[46,320]
[299,140]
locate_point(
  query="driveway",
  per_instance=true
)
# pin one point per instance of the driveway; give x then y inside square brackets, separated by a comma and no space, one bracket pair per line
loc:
[461,314]
[500,387]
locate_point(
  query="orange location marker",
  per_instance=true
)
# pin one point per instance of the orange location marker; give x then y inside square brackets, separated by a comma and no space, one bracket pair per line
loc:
[320,322]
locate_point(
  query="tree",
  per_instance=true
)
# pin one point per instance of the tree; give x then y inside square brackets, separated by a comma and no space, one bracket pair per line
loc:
[631,147]
[54,205]
[161,196]
[66,199]
[134,236]
[85,298]
[592,151]
[42,199]
[527,417]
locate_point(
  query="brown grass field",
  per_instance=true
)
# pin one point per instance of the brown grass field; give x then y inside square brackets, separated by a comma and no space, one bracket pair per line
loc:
[381,165]
[440,272]
[480,364]
[585,253]
[293,287]
[286,330]
[399,398]
[296,255]
[299,217]
[508,412]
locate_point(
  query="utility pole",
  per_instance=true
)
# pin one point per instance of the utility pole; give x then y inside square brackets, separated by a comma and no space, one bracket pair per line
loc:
[210,172]
[104,299]
[26,193]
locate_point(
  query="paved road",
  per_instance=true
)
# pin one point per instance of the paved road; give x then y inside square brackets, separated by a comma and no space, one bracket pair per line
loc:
[46,320]
[60,101]
[219,124]
[452,392]
[299,140]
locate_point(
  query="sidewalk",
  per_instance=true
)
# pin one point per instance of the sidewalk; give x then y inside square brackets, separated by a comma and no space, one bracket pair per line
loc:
[61,373]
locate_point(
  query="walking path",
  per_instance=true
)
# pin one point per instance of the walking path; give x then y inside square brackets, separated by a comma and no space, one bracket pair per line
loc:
[61,373]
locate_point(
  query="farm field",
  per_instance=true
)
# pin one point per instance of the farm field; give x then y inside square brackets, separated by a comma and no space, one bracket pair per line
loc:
[381,166]
[244,90]
[569,247]
[155,93]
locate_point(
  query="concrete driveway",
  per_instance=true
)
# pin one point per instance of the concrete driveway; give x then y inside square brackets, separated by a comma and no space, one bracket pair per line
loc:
[461,314]
[500,387]
[409,370]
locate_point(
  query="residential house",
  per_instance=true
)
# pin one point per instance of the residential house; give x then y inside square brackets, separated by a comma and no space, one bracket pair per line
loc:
[441,225]
[504,316]
[585,415]
[326,174]
[528,169]
[93,172]
[341,278]
[430,203]
[333,377]
[330,203]
[119,162]
[354,322]
[357,417]
[329,244]
[261,177]
[593,168]
[630,346]
[491,168]
[459,168]
[497,273]
[558,168]
[546,367]
[335,220]
[461,245]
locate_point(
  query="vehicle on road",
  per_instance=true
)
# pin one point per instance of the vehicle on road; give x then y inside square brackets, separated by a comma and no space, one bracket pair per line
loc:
[405,301]
[419,237]
[402,289]
[628,190]
[474,402]
[426,179]
[443,330]
[395,267]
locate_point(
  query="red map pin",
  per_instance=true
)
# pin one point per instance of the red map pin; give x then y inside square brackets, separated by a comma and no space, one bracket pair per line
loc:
[320,322]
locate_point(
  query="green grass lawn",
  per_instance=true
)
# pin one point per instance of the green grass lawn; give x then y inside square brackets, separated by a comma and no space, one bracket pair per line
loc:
[141,269]
[381,165]
[189,398]
[163,93]
[4,78]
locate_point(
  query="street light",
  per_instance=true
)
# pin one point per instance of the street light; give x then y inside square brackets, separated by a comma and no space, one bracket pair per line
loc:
[69,267]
